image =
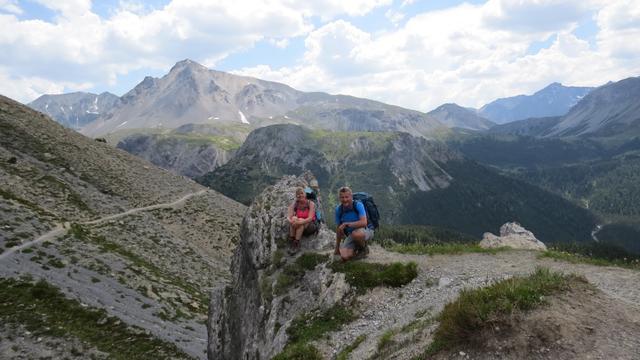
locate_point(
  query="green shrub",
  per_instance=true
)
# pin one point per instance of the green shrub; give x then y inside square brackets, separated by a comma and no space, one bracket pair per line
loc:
[299,352]
[364,275]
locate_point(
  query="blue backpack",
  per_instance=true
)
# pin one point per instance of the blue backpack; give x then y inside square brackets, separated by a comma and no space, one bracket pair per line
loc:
[373,216]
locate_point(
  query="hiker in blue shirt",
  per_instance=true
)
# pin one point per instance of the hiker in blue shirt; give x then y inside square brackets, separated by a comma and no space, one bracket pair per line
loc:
[353,232]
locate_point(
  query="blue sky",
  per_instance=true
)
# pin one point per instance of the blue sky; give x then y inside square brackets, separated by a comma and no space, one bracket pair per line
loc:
[412,53]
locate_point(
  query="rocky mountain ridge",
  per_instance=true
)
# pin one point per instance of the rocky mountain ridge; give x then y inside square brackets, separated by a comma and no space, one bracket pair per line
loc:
[453,115]
[190,150]
[110,230]
[192,94]
[75,110]
[554,100]
[608,111]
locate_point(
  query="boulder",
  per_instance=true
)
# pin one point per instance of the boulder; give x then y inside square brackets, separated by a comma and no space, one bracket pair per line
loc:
[512,235]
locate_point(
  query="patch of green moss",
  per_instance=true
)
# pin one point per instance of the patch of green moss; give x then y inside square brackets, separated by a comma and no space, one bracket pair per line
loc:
[364,275]
[292,273]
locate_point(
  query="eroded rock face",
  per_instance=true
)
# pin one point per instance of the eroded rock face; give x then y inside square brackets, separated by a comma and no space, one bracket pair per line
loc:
[514,236]
[249,317]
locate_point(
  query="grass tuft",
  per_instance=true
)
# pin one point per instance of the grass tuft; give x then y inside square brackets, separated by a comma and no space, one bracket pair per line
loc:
[364,275]
[311,326]
[594,254]
[299,352]
[443,249]
[344,354]
[292,273]
[476,309]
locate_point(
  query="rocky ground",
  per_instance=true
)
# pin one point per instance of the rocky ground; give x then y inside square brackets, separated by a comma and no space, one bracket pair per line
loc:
[613,308]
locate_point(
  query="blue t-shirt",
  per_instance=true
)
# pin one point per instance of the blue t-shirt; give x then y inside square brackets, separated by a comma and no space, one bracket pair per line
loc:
[351,215]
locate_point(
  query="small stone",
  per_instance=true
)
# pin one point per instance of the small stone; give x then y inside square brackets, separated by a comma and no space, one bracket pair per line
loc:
[462,353]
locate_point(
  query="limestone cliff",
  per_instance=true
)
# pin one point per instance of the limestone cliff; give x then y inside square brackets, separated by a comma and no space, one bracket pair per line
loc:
[248,318]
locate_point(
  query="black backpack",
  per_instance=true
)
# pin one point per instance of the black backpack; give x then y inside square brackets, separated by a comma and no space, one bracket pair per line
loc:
[373,216]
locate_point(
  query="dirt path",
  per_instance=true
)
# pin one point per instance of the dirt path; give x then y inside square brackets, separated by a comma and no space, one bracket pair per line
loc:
[59,228]
[440,279]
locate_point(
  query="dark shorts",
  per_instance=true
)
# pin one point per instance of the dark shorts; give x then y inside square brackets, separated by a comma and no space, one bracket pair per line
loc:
[310,229]
[348,243]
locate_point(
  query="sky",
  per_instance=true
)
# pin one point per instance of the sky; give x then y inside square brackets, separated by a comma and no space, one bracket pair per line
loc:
[417,54]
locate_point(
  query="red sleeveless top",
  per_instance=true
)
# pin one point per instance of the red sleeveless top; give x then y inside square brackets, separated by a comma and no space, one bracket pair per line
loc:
[302,212]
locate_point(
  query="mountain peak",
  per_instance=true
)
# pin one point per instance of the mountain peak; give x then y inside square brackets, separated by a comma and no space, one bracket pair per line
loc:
[187,63]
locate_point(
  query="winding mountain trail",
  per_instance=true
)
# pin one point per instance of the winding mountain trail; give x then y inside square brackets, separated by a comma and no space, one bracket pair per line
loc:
[60,229]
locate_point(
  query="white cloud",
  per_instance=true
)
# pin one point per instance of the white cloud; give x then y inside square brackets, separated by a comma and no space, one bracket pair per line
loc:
[468,54]
[31,87]
[79,46]
[394,16]
[10,6]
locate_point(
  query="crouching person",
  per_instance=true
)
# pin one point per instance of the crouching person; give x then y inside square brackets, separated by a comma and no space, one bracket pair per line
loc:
[353,231]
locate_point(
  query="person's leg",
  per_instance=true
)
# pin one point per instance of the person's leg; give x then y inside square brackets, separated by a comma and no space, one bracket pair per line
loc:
[347,248]
[292,232]
[359,237]
[299,231]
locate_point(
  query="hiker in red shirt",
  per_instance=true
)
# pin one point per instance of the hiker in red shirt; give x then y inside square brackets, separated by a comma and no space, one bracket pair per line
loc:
[301,216]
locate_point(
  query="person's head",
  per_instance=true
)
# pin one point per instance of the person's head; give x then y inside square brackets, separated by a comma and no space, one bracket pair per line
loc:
[300,195]
[345,195]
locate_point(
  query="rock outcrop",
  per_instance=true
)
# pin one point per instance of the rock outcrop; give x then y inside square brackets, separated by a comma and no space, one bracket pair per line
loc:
[249,317]
[512,235]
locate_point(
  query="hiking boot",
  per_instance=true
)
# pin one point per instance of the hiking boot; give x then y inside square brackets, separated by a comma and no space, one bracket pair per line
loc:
[294,248]
[362,253]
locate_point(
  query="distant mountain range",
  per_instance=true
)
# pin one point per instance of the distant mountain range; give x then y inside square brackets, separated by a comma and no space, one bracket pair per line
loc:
[612,110]
[192,94]
[553,100]
[453,115]
[75,110]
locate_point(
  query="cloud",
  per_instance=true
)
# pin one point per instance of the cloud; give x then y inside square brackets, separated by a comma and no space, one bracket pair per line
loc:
[32,87]
[469,54]
[79,46]
[10,6]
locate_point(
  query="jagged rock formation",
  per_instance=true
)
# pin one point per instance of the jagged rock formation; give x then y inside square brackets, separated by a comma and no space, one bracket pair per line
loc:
[75,110]
[191,93]
[110,229]
[247,318]
[513,235]
[553,100]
